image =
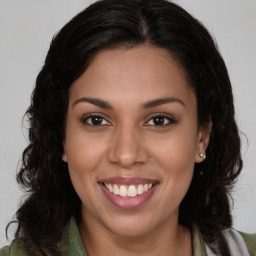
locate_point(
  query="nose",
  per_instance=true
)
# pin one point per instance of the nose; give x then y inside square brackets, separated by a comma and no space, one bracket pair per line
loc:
[127,149]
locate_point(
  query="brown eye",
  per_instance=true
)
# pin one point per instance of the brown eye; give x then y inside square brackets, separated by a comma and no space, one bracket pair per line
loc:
[160,120]
[95,120]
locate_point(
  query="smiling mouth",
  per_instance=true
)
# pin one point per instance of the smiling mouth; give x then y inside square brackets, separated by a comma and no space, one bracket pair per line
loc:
[129,190]
[128,193]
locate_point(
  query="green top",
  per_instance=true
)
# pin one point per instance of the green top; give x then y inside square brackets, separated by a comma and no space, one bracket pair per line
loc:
[72,243]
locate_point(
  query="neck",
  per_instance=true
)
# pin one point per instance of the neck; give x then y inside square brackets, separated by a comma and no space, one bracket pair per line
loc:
[163,240]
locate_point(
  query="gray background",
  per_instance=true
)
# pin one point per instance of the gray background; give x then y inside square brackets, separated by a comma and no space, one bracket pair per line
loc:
[26,29]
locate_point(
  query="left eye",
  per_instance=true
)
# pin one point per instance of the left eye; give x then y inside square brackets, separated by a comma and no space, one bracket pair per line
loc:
[160,121]
[95,120]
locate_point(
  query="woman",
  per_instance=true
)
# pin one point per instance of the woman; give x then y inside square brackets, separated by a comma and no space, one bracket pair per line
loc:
[133,147]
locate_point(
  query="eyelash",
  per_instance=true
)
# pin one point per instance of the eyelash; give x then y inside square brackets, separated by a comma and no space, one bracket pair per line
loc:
[90,116]
[169,119]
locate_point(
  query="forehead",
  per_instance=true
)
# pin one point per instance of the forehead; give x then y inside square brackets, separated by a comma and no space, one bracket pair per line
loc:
[136,73]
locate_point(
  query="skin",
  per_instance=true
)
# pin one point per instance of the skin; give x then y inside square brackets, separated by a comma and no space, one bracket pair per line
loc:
[128,143]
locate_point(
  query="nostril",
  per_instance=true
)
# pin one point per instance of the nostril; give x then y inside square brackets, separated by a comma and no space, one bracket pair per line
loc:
[127,152]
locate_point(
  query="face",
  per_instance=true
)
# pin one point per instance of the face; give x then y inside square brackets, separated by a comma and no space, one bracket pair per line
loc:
[132,140]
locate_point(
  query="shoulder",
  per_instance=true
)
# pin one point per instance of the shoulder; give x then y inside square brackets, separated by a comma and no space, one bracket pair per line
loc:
[241,242]
[4,251]
[14,249]
[250,241]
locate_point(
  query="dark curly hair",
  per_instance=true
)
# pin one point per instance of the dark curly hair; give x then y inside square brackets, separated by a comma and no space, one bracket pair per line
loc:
[51,199]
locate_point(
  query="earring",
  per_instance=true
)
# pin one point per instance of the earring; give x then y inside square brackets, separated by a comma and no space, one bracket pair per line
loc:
[201,154]
[63,158]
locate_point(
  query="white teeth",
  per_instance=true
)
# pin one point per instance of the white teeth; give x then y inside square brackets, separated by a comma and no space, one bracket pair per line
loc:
[123,191]
[116,190]
[130,191]
[140,189]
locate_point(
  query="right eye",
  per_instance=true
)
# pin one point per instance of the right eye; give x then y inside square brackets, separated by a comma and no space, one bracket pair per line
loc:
[95,120]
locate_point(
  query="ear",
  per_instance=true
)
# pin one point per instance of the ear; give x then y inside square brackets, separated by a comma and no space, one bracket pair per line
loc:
[203,138]
[64,156]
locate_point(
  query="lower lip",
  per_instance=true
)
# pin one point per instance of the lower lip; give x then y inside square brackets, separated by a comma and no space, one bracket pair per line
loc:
[128,202]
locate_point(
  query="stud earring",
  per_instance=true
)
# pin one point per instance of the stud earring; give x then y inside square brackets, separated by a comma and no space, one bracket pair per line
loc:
[63,158]
[201,154]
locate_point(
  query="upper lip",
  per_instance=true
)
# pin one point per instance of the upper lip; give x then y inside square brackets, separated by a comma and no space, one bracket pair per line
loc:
[128,181]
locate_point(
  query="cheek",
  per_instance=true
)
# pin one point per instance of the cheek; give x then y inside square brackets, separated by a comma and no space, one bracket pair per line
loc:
[84,155]
[177,172]
[83,162]
[177,168]
[176,157]
[175,149]
[82,150]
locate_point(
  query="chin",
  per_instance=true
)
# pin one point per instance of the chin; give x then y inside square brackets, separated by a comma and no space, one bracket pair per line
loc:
[133,226]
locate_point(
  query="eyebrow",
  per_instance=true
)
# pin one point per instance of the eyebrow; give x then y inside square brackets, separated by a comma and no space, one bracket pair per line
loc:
[157,102]
[149,104]
[94,101]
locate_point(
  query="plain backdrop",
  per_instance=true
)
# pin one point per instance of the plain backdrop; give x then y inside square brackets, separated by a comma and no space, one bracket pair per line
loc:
[26,29]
